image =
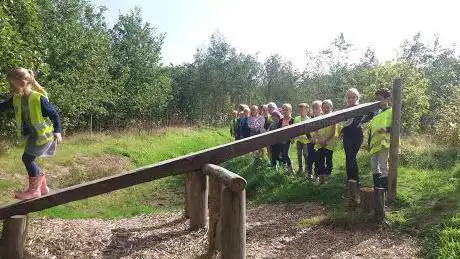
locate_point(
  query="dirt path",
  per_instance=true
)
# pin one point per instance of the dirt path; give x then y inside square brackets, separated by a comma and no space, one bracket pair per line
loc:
[273,232]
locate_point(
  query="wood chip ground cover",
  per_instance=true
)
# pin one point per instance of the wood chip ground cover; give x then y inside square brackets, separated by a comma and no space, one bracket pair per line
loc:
[273,231]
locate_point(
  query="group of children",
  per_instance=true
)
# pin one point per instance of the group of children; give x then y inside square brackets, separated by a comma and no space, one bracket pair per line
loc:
[315,149]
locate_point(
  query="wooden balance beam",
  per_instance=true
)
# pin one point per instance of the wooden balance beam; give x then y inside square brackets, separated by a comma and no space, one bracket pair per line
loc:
[183,164]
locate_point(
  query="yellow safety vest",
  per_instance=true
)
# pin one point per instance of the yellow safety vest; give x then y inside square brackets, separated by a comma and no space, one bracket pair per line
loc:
[380,141]
[302,138]
[41,125]
[323,134]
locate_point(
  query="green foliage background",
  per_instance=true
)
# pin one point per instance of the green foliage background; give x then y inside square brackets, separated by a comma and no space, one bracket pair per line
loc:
[114,74]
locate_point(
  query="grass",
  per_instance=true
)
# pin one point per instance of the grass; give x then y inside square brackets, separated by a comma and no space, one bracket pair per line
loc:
[428,197]
[81,158]
[427,205]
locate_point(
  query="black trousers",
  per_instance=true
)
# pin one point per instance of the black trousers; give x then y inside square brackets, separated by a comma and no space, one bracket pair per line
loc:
[324,162]
[285,154]
[276,154]
[351,145]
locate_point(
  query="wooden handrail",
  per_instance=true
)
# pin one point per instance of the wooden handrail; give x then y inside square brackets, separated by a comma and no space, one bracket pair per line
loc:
[233,181]
[187,163]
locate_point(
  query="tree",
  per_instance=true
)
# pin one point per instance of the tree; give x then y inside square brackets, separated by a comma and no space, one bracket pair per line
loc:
[143,87]
[78,54]
[414,98]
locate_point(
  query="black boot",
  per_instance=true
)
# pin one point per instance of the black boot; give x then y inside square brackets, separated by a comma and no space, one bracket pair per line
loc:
[377,182]
[384,182]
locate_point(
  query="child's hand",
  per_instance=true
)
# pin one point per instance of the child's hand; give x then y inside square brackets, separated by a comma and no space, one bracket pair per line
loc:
[58,137]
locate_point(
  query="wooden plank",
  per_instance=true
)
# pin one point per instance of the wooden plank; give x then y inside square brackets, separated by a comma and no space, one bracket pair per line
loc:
[235,182]
[188,200]
[188,163]
[13,237]
[394,140]
[233,224]
[198,212]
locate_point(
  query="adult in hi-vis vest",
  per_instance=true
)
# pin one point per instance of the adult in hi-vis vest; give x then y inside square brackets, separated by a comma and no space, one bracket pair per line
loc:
[379,139]
[37,124]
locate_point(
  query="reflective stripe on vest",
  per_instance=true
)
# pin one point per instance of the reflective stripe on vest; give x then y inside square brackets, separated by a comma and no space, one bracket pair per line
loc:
[323,134]
[302,138]
[380,141]
[42,127]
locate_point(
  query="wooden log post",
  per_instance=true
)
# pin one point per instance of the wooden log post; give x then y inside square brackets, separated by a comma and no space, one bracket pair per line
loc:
[13,237]
[379,204]
[199,200]
[233,224]
[394,139]
[187,198]
[214,231]
[353,194]
[366,196]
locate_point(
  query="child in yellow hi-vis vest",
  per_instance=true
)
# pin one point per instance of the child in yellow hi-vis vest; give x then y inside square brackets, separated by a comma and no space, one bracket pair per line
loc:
[302,141]
[379,139]
[32,111]
[325,140]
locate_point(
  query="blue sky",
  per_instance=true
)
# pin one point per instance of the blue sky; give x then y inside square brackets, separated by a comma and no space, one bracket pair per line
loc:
[290,27]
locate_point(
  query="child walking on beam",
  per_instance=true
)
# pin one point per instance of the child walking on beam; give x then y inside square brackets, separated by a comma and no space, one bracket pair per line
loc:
[31,106]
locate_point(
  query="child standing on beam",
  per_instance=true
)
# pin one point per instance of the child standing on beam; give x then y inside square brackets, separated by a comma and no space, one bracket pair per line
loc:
[379,139]
[31,107]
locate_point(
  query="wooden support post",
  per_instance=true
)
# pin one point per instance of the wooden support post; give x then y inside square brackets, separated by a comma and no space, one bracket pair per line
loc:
[379,204]
[394,139]
[366,196]
[13,237]
[199,200]
[214,231]
[233,224]
[353,194]
[188,200]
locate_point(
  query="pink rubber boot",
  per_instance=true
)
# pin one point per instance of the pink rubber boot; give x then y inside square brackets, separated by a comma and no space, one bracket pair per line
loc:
[33,191]
[43,187]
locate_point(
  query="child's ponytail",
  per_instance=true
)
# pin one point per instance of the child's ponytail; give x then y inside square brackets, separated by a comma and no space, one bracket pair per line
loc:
[35,85]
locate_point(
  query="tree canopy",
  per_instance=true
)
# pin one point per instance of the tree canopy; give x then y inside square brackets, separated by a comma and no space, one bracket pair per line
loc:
[114,73]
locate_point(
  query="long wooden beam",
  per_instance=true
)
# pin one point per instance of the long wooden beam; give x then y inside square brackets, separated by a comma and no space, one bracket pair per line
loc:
[187,163]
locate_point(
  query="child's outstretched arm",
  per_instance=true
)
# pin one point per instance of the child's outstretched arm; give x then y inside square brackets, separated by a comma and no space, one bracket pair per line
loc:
[49,111]
[6,105]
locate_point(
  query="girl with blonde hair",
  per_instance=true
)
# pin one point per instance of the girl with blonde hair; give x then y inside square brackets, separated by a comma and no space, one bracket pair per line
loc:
[33,114]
